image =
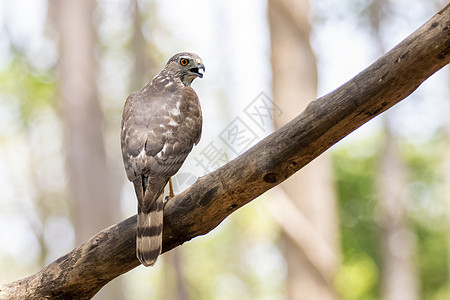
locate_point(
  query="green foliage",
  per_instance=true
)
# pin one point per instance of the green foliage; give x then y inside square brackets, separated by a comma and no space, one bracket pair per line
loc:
[355,169]
[427,211]
[358,277]
[31,89]
[432,260]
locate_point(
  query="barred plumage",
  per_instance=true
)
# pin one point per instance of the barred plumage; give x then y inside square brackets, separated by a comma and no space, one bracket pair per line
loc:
[160,125]
[149,233]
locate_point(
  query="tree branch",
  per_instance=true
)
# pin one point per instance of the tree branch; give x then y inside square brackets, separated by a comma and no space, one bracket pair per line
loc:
[198,210]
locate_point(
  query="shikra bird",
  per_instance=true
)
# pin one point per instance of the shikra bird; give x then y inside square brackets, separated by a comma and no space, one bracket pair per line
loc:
[160,125]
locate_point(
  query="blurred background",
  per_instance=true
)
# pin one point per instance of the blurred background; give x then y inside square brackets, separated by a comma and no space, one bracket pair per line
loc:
[369,219]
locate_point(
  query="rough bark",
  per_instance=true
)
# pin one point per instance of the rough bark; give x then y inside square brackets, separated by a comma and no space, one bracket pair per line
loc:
[311,193]
[199,209]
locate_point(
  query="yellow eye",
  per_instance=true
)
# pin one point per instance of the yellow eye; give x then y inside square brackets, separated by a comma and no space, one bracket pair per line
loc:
[184,61]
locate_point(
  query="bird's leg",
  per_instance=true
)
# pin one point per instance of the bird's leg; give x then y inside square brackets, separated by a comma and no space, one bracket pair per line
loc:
[171,193]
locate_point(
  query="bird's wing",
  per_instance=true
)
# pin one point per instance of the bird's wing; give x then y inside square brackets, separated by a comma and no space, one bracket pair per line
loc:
[158,132]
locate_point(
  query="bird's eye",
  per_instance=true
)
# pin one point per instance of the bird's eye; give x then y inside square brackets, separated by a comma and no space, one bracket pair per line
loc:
[184,61]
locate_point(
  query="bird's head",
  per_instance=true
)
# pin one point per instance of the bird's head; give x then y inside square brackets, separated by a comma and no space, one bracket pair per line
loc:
[185,66]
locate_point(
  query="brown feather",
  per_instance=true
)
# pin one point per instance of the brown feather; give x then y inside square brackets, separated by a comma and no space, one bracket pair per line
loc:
[160,125]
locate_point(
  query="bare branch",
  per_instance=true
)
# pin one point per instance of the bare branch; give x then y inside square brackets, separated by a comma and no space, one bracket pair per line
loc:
[198,210]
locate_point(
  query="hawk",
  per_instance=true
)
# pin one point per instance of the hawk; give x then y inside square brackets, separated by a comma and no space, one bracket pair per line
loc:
[160,125]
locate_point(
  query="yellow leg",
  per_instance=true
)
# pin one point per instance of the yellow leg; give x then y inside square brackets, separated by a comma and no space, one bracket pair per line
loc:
[171,194]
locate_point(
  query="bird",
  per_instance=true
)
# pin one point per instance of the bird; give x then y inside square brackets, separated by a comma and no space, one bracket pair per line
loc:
[160,125]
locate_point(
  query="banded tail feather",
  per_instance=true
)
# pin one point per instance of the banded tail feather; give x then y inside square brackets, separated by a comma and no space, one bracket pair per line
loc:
[149,232]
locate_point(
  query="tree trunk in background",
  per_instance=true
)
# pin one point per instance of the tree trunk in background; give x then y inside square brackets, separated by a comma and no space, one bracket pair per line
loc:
[175,285]
[311,190]
[94,198]
[399,279]
[144,67]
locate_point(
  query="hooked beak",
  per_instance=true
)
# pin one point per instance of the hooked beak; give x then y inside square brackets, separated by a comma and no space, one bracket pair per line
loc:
[199,70]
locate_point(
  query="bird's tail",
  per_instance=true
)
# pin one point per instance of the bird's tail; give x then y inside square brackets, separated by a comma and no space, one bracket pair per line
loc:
[149,233]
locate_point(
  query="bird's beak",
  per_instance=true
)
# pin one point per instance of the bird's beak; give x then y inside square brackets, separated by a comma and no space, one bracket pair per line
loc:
[199,70]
